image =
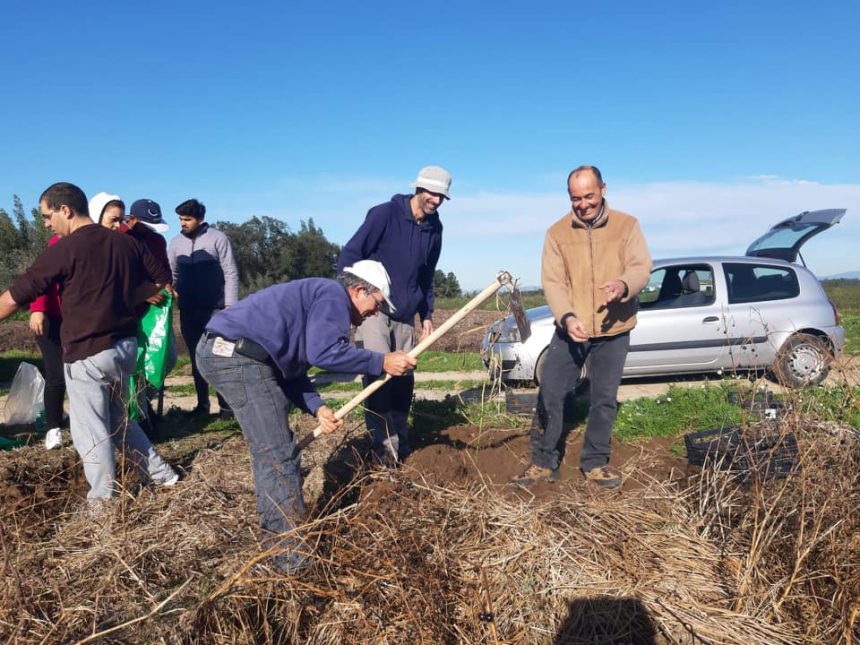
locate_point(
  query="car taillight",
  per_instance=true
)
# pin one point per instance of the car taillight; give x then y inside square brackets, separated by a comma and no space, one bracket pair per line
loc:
[835,312]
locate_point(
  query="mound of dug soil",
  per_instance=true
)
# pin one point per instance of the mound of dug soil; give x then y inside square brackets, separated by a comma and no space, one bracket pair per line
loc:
[465,454]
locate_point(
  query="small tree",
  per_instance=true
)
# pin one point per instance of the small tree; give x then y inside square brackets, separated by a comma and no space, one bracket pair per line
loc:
[446,286]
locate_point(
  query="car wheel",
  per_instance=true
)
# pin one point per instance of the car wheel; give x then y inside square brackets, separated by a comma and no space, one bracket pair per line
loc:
[802,361]
[539,372]
[539,367]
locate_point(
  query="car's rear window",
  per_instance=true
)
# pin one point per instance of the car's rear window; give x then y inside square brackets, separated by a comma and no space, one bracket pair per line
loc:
[755,283]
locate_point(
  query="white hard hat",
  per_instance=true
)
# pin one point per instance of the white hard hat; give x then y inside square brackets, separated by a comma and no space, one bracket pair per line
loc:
[373,273]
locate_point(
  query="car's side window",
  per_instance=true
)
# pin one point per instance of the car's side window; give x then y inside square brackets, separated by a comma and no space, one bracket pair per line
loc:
[755,283]
[679,286]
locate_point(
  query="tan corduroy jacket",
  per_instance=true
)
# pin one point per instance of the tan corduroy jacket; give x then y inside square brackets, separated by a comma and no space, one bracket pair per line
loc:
[578,259]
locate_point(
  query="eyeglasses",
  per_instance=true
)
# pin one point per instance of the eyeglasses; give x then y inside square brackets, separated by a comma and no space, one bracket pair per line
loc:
[381,304]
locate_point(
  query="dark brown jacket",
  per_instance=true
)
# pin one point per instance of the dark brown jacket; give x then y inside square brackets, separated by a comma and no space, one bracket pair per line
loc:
[102,276]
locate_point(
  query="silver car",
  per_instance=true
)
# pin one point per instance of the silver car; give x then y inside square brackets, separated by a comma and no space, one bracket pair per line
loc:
[711,314]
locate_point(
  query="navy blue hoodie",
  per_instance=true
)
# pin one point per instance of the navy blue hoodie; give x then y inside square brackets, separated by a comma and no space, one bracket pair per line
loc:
[299,323]
[409,250]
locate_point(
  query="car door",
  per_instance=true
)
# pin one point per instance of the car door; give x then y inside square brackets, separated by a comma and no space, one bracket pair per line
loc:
[680,325]
[761,298]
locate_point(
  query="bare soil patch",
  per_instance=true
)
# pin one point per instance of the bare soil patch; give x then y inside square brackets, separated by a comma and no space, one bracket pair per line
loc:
[16,335]
[464,455]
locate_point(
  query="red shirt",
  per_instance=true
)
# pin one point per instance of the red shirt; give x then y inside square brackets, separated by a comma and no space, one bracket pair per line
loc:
[49,302]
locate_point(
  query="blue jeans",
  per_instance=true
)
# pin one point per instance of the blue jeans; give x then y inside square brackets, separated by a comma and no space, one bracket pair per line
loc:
[192,324]
[604,359]
[255,393]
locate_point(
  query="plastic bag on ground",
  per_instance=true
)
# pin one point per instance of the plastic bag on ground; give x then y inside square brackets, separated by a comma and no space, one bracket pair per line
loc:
[26,404]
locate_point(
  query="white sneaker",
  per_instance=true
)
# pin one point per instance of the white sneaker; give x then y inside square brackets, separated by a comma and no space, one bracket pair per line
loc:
[53,438]
[172,480]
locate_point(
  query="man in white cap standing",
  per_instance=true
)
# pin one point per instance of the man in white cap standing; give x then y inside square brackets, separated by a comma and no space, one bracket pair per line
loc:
[257,353]
[405,235]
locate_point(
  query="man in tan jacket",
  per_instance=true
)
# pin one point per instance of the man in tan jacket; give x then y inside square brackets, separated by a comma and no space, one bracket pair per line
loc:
[595,262]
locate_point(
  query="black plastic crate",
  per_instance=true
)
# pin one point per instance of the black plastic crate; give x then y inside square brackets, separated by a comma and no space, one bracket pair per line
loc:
[762,403]
[770,454]
[713,445]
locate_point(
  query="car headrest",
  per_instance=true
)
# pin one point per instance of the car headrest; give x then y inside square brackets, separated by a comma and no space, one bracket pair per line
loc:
[691,282]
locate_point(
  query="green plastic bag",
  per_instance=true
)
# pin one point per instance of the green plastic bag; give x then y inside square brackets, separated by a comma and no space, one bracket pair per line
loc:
[154,338]
[155,347]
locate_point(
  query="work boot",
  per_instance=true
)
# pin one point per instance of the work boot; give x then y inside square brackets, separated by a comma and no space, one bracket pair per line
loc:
[535,474]
[604,476]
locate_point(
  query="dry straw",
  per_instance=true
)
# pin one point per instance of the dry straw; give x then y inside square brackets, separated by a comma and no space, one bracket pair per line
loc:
[401,560]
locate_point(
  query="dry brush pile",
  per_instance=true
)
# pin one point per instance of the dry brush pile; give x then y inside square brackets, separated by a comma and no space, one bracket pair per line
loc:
[399,560]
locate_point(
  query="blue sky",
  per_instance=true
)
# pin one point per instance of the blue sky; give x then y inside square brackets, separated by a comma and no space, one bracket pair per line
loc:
[710,121]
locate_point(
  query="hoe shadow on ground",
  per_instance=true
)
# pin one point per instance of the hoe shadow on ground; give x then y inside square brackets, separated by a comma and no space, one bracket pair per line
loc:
[606,620]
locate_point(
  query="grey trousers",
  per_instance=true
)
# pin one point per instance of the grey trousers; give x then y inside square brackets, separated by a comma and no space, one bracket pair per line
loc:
[98,420]
[604,358]
[386,411]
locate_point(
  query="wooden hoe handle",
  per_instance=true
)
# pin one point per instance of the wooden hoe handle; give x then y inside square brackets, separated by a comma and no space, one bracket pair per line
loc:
[504,278]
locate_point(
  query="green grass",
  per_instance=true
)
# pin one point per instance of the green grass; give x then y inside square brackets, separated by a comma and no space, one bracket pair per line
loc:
[22,315]
[837,404]
[339,386]
[845,294]
[183,365]
[452,386]
[684,410]
[851,325]
[431,361]
[679,411]
[184,389]
[434,416]
[530,300]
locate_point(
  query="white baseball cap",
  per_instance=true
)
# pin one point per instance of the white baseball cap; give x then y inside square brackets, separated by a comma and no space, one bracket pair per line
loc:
[374,273]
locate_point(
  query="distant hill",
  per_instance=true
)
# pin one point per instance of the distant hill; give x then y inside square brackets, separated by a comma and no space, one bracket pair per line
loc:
[849,275]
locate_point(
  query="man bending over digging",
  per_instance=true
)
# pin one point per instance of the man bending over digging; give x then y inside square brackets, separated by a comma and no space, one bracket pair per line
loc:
[256,354]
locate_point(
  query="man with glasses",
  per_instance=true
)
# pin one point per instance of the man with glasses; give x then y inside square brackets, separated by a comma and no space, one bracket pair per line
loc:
[405,235]
[99,334]
[257,353]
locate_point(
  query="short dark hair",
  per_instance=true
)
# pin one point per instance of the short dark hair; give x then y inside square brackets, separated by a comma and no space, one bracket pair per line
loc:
[111,204]
[64,193]
[191,208]
[594,170]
